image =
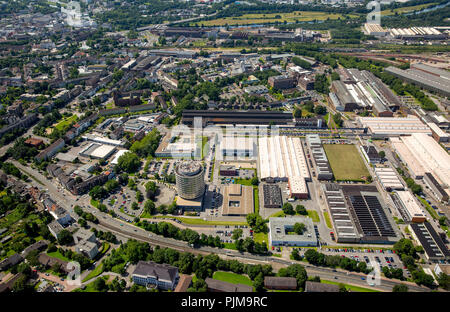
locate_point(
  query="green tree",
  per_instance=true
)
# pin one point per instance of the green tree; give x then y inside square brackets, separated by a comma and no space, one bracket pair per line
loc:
[129,162]
[400,288]
[300,209]
[297,112]
[299,228]
[288,209]
[65,237]
[237,234]
[258,282]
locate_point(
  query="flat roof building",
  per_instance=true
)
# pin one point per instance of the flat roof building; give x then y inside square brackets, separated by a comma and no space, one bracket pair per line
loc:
[423,154]
[389,179]
[272,196]
[382,127]
[231,146]
[425,235]
[98,151]
[435,187]
[237,200]
[282,158]
[320,157]
[426,77]
[281,232]
[358,214]
[410,207]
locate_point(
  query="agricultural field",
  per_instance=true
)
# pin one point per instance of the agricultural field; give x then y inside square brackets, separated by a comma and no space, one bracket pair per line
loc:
[345,161]
[297,16]
[408,9]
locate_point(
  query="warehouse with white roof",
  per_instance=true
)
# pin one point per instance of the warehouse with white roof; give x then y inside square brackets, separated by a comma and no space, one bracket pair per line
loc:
[282,158]
[409,207]
[389,179]
[382,127]
[423,154]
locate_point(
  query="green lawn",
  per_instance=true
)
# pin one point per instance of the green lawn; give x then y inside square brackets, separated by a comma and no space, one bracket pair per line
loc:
[256,18]
[350,287]
[243,182]
[229,246]
[95,272]
[313,215]
[90,286]
[57,254]
[327,219]
[65,122]
[261,237]
[232,278]
[201,221]
[278,214]
[256,199]
[428,207]
[345,161]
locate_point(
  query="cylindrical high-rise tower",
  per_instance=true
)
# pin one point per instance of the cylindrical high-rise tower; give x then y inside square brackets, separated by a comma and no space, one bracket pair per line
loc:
[190,179]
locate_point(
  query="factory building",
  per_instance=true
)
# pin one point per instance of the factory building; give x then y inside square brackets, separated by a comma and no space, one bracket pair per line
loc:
[375,30]
[389,179]
[424,76]
[358,214]
[438,134]
[282,158]
[425,235]
[323,168]
[251,117]
[383,127]
[237,147]
[423,154]
[409,207]
[362,90]
[98,151]
[436,188]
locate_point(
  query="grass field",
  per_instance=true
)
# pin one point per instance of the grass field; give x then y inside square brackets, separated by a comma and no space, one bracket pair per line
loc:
[201,221]
[297,16]
[407,9]
[313,215]
[67,121]
[350,287]
[232,278]
[95,272]
[261,237]
[327,219]
[345,161]
[57,254]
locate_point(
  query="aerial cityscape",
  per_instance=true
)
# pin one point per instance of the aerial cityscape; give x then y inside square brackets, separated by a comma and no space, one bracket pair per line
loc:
[193,146]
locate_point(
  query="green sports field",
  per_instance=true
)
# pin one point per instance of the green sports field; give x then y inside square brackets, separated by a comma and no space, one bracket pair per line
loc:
[346,162]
